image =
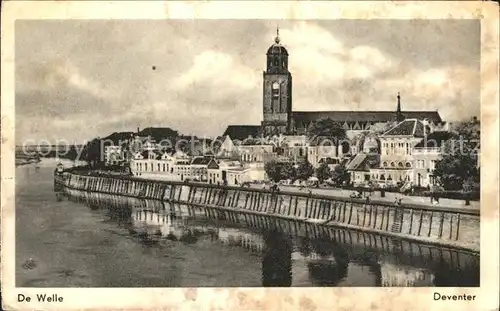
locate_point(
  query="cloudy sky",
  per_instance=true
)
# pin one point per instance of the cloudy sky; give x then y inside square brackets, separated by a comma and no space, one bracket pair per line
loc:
[76,80]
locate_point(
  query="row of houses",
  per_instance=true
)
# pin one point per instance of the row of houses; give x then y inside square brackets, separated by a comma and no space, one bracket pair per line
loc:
[404,155]
[181,167]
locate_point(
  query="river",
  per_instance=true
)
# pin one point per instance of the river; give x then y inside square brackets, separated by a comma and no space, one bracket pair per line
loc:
[78,239]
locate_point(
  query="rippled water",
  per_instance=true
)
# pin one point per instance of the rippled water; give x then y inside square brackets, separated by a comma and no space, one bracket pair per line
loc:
[95,240]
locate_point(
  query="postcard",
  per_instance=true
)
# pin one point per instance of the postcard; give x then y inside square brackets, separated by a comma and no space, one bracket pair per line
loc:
[250,155]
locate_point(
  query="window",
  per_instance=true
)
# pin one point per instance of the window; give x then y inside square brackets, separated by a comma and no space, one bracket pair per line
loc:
[276,90]
[384,164]
[164,167]
[393,164]
[432,164]
[408,164]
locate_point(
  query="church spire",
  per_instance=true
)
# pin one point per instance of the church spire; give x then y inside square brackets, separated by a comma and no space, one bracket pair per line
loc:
[399,115]
[277,39]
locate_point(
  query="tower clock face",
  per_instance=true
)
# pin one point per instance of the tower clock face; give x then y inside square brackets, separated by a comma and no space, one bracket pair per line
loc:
[276,86]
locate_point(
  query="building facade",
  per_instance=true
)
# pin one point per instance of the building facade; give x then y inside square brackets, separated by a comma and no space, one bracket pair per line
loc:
[277,91]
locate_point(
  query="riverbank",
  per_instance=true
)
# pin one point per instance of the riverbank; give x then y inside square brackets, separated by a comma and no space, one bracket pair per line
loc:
[26,161]
[77,241]
[453,227]
[390,197]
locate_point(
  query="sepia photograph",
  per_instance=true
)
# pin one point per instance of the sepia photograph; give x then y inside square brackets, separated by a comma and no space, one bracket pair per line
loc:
[248,152]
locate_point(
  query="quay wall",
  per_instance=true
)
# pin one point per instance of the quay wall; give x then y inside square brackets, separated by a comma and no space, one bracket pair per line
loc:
[356,243]
[451,227]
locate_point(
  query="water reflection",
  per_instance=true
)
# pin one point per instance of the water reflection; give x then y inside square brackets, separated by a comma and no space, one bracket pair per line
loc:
[291,253]
[277,259]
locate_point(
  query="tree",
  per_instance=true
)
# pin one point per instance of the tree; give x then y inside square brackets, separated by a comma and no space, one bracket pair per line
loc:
[328,128]
[457,169]
[93,154]
[72,153]
[304,170]
[454,171]
[288,171]
[340,175]
[273,170]
[323,172]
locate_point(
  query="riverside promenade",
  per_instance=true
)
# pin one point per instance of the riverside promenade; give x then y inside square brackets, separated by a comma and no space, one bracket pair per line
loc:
[390,197]
[442,226]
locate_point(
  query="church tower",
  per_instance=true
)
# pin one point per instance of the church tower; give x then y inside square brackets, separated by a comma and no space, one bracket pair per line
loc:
[277,91]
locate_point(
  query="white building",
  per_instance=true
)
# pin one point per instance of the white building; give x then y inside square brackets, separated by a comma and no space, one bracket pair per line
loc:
[396,154]
[255,153]
[408,155]
[199,168]
[426,154]
[217,170]
[152,164]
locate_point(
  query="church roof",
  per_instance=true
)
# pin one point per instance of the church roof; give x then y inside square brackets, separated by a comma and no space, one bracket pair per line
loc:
[277,49]
[241,132]
[363,116]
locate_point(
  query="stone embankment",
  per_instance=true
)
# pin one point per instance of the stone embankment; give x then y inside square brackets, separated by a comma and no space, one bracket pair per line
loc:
[450,227]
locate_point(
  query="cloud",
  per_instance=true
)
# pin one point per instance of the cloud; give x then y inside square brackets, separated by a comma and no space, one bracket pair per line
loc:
[53,74]
[205,80]
[330,70]
[217,69]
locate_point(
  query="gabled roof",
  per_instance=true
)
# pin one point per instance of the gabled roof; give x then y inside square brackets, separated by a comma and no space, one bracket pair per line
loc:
[329,160]
[363,162]
[118,137]
[213,164]
[241,132]
[201,160]
[255,142]
[222,138]
[409,127]
[158,133]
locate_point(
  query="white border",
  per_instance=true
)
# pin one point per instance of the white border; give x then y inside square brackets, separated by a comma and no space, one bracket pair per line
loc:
[260,298]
